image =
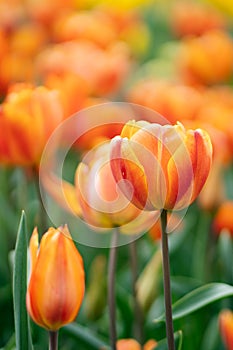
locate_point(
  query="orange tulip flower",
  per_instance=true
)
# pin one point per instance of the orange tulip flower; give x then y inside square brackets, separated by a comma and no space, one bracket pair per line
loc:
[200,61]
[226,328]
[56,287]
[128,344]
[132,344]
[101,204]
[160,167]
[224,218]
[27,118]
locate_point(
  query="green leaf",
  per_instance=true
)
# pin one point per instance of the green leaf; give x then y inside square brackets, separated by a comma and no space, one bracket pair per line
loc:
[22,332]
[198,298]
[86,336]
[162,344]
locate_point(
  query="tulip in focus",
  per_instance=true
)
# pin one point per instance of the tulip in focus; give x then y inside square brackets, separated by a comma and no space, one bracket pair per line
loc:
[28,116]
[160,166]
[56,286]
[226,328]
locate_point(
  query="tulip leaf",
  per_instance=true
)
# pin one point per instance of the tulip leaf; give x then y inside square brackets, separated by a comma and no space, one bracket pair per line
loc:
[22,332]
[162,344]
[198,298]
[86,336]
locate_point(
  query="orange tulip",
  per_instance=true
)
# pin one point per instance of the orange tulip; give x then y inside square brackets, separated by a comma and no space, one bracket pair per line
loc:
[150,345]
[224,218]
[28,117]
[226,328]
[56,287]
[128,344]
[173,101]
[132,344]
[192,18]
[200,61]
[101,204]
[159,166]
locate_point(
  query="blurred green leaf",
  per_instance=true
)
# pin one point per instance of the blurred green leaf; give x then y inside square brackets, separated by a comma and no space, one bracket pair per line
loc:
[199,298]
[85,335]
[211,336]
[225,253]
[22,332]
[162,344]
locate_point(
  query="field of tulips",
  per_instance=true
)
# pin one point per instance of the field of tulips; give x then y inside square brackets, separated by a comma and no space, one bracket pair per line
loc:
[116,174]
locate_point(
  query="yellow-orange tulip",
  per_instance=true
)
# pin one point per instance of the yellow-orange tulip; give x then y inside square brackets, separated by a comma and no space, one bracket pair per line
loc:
[160,166]
[27,118]
[226,328]
[224,218]
[56,287]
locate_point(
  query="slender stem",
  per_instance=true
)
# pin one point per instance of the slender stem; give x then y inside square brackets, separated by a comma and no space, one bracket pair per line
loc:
[166,282]
[138,326]
[53,340]
[111,289]
[42,213]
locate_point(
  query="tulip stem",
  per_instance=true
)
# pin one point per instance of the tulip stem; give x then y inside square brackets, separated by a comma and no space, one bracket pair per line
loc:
[111,289]
[138,326]
[166,282]
[53,340]
[42,213]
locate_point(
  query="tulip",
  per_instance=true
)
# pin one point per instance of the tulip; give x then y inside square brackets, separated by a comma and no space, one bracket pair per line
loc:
[128,344]
[199,58]
[160,166]
[28,117]
[226,328]
[102,205]
[56,286]
[224,218]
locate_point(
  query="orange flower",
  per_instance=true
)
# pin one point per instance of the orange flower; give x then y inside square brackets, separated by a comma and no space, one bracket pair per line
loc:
[192,18]
[132,344]
[226,328]
[56,287]
[160,167]
[207,59]
[101,204]
[174,101]
[150,345]
[128,344]
[28,117]
[224,218]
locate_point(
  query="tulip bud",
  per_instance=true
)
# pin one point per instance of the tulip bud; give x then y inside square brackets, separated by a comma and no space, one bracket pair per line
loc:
[226,328]
[56,286]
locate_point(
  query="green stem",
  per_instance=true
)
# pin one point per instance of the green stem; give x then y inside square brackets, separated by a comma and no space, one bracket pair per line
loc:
[111,289]
[53,340]
[42,213]
[138,325]
[166,282]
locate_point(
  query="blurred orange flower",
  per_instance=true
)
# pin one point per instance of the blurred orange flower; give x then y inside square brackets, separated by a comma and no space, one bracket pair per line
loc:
[175,101]
[224,218]
[193,18]
[132,344]
[28,116]
[103,70]
[207,59]
[226,328]
[56,286]
[159,166]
